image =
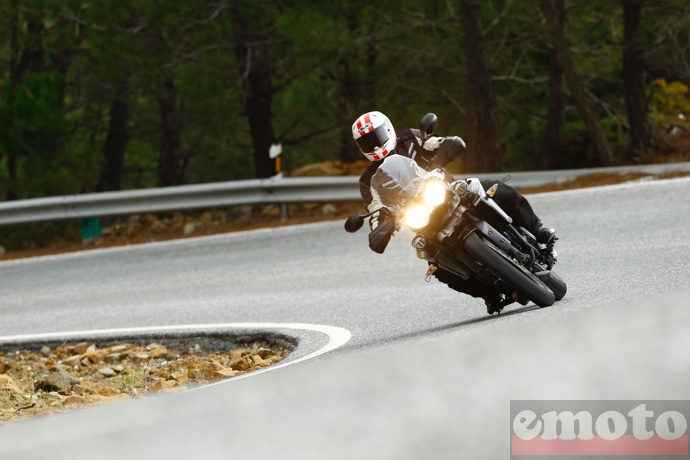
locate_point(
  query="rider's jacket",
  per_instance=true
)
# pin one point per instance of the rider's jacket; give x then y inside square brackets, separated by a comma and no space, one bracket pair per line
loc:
[429,152]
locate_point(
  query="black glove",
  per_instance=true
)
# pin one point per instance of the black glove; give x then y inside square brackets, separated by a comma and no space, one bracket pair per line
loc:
[450,149]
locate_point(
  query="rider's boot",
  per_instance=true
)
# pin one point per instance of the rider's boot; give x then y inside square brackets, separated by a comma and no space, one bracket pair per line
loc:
[547,237]
[495,302]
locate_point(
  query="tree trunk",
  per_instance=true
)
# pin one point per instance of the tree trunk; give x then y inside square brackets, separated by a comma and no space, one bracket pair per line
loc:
[556,31]
[349,102]
[15,79]
[29,60]
[552,136]
[172,162]
[254,67]
[641,134]
[358,92]
[483,129]
[115,142]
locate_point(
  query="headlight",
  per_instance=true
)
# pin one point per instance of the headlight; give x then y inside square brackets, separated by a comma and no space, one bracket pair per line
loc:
[434,193]
[417,217]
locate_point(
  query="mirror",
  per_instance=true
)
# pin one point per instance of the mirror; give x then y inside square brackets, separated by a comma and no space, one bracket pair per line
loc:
[354,223]
[428,123]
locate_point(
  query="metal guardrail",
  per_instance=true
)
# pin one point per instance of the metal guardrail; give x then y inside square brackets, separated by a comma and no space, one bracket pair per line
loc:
[199,196]
[249,192]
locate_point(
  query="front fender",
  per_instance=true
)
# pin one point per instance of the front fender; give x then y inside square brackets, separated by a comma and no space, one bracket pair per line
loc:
[491,233]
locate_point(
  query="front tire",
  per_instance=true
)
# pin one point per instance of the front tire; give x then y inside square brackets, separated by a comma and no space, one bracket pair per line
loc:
[524,283]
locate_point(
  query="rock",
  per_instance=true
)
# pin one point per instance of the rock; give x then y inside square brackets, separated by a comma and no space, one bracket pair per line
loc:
[78,389]
[179,377]
[81,348]
[95,356]
[241,364]
[71,361]
[115,357]
[59,381]
[45,351]
[264,353]
[157,352]
[189,228]
[149,219]
[270,210]
[117,349]
[194,372]
[328,209]
[140,356]
[119,368]
[163,385]
[225,373]
[74,400]
[128,370]
[8,384]
[107,372]
[106,391]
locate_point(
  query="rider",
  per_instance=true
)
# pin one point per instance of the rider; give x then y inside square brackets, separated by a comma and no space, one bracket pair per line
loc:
[375,136]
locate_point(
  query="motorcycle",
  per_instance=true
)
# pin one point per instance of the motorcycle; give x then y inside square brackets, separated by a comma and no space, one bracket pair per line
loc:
[460,229]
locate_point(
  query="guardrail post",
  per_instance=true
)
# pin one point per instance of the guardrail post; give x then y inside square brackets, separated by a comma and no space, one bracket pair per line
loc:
[90,228]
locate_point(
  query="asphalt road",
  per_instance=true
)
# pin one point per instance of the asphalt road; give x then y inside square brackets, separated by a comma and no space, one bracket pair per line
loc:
[425,372]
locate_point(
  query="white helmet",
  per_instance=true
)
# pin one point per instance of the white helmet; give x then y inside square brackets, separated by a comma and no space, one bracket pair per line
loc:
[374,134]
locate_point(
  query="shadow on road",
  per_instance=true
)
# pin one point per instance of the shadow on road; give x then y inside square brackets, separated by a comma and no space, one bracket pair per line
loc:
[448,327]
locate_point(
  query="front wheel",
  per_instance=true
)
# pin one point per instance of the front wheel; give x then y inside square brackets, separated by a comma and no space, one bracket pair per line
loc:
[518,279]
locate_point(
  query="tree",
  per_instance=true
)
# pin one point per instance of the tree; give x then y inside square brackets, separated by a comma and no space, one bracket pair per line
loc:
[555,27]
[553,131]
[254,70]
[483,131]
[641,134]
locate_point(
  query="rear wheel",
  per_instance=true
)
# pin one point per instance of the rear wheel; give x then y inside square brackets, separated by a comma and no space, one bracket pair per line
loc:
[516,277]
[557,285]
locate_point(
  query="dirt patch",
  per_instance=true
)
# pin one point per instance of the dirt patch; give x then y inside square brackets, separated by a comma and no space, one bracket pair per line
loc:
[599,179]
[47,380]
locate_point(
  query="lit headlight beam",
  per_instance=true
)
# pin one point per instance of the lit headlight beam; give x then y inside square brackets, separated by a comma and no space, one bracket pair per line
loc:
[417,217]
[434,193]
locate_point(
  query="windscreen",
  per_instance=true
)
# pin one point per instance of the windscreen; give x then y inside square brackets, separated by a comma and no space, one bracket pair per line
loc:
[397,180]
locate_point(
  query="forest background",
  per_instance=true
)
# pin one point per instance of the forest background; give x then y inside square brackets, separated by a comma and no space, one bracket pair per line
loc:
[126,94]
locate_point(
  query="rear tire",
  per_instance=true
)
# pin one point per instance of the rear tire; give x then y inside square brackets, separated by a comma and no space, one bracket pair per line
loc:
[520,280]
[557,285]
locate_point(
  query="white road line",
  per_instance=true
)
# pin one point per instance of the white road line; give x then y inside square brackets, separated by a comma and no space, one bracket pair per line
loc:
[337,337]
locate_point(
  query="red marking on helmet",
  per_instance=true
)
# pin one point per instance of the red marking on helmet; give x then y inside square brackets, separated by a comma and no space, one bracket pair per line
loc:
[367,120]
[376,157]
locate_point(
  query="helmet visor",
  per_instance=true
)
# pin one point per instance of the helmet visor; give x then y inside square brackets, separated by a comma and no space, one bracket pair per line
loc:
[373,139]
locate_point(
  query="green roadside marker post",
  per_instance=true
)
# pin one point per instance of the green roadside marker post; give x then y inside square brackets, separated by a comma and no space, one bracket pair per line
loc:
[90,228]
